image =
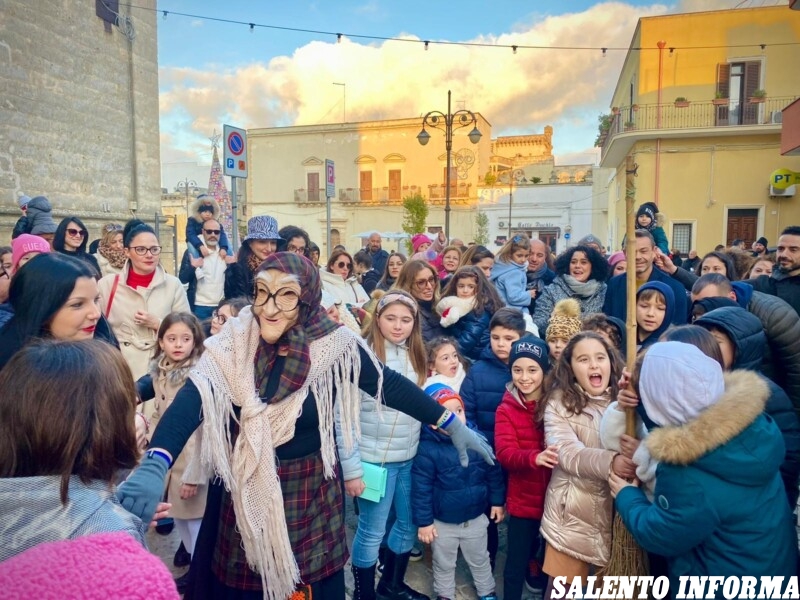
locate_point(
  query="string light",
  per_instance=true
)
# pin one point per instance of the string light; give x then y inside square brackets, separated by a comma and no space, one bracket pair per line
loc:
[514,48]
[338,38]
[671,50]
[604,51]
[441,42]
[426,45]
[165,15]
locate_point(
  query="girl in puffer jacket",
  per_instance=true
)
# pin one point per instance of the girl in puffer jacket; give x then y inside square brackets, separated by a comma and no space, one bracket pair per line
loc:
[467,306]
[576,522]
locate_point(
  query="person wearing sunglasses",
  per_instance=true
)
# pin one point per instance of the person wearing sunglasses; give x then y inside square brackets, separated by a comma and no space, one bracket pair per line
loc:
[202,209]
[205,277]
[421,279]
[339,280]
[110,251]
[71,239]
[137,299]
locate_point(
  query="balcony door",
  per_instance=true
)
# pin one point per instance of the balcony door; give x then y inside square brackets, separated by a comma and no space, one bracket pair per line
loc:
[738,81]
[312,179]
[742,225]
[365,185]
[395,184]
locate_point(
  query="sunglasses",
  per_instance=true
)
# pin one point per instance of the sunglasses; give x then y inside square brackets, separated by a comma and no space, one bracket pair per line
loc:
[344,265]
[212,231]
[76,232]
[112,227]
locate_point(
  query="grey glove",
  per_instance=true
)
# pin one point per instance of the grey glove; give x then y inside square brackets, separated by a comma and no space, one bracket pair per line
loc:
[142,491]
[465,439]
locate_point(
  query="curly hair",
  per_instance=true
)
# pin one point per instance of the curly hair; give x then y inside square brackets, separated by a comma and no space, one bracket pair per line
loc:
[599,264]
[486,296]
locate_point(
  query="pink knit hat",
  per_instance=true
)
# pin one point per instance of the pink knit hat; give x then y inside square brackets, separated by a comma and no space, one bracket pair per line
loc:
[26,243]
[418,240]
[615,258]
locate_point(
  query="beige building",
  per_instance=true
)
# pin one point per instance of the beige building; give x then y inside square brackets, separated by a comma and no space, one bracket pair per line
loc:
[698,105]
[79,121]
[377,164]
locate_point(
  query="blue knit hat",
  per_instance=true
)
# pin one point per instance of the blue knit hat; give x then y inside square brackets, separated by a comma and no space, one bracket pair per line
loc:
[530,347]
[262,227]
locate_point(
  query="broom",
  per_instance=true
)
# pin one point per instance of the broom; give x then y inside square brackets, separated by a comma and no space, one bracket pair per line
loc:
[627,558]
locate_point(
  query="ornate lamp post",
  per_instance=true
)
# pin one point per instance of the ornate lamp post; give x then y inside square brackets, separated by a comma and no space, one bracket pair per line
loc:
[449,122]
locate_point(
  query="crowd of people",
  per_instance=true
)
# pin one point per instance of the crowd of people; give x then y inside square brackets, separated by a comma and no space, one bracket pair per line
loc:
[249,398]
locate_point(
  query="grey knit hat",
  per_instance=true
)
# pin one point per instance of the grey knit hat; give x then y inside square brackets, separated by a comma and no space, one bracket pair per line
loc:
[262,227]
[23,200]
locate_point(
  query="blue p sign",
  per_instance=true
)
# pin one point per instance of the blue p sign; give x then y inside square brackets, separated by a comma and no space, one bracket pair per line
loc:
[230,163]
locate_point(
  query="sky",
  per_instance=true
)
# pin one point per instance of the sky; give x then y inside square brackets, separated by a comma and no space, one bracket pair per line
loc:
[213,73]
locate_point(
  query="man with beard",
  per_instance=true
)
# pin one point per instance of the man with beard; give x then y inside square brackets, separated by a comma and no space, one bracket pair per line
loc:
[538,275]
[378,255]
[785,279]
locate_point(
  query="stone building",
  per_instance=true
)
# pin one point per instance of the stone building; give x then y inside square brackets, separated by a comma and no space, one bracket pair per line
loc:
[79,114]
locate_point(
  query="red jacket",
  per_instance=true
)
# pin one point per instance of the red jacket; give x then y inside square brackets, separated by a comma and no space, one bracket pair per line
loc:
[518,440]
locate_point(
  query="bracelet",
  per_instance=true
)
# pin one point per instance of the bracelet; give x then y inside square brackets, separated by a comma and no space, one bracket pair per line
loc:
[146,422]
[161,454]
[445,420]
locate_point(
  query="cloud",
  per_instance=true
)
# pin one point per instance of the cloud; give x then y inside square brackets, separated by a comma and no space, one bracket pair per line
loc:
[517,93]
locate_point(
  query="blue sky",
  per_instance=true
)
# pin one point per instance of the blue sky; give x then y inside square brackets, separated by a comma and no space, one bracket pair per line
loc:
[213,73]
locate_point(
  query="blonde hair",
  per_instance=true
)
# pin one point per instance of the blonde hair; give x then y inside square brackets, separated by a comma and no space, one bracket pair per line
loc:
[416,347]
[519,241]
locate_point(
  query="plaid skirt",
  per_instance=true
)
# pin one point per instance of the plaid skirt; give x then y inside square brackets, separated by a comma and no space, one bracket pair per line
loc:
[314,517]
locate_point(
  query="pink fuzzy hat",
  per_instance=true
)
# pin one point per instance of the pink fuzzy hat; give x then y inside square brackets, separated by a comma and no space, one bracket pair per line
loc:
[418,240]
[615,258]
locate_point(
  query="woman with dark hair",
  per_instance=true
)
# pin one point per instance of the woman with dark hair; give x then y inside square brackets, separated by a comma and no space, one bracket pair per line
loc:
[135,301]
[53,296]
[717,262]
[394,264]
[339,280]
[276,523]
[581,273]
[478,256]
[294,239]
[110,250]
[261,241]
[420,279]
[71,239]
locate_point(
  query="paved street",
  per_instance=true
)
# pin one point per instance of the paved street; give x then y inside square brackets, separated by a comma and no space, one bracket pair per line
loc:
[418,576]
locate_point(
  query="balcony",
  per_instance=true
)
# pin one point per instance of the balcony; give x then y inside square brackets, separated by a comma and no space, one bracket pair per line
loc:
[459,192]
[303,196]
[381,195]
[698,119]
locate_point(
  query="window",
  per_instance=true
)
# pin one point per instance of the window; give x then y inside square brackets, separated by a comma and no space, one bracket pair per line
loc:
[682,237]
[737,81]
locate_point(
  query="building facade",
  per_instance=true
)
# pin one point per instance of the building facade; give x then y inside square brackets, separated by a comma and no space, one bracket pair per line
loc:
[698,106]
[79,122]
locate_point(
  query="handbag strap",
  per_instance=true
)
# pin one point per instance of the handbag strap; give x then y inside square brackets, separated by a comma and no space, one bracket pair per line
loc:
[111,296]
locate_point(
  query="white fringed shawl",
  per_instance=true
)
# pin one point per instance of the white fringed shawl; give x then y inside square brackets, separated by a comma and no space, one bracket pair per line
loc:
[224,377]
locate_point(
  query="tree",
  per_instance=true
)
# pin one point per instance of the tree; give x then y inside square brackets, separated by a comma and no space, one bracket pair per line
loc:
[603,126]
[218,190]
[481,228]
[415,214]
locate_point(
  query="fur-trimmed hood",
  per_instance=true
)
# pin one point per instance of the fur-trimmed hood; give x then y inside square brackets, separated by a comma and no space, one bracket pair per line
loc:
[194,208]
[730,439]
[175,376]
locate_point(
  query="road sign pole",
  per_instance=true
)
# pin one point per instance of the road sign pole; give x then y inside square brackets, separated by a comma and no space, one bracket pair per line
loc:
[234,215]
[328,224]
[330,192]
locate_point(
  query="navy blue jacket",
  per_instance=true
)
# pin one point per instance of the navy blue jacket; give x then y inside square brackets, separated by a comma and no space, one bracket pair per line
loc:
[747,335]
[444,490]
[483,389]
[617,301]
[472,334]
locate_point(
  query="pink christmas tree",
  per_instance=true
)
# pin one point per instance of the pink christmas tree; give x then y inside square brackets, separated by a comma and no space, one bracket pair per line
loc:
[218,190]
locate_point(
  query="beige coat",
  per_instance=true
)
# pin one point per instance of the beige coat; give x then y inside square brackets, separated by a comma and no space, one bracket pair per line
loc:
[105,266]
[138,343]
[166,385]
[577,507]
[348,290]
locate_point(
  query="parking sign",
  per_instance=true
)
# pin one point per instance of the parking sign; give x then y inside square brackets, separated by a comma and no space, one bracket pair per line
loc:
[235,151]
[330,179]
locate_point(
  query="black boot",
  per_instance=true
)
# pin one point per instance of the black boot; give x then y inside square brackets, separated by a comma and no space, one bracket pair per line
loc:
[391,586]
[363,582]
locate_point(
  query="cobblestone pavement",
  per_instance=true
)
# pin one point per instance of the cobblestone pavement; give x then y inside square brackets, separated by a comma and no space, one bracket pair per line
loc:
[418,576]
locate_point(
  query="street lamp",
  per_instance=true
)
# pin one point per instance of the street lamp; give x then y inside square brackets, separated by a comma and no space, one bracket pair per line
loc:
[448,122]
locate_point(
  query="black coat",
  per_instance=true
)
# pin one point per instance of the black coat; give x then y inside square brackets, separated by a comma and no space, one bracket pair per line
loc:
[747,335]
[238,281]
[431,327]
[188,277]
[787,289]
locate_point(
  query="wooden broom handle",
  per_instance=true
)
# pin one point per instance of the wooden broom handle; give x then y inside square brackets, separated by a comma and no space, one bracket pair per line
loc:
[630,259]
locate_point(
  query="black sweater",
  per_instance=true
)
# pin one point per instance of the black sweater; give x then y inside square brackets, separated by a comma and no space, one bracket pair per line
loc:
[185,413]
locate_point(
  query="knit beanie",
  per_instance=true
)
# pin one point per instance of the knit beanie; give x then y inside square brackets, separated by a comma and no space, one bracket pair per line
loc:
[531,347]
[442,393]
[616,258]
[565,322]
[650,209]
[418,240]
[25,243]
[763,241]
[588,240]
[23,200]
[696,383]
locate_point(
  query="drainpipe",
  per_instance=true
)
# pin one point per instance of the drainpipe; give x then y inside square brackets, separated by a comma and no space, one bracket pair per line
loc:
[661,45]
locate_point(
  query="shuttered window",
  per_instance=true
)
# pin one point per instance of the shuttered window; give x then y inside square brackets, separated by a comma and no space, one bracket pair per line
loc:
[738,81]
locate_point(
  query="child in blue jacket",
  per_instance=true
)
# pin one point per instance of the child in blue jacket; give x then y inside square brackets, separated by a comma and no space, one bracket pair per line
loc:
[449,502]
[509,273]
[204,208]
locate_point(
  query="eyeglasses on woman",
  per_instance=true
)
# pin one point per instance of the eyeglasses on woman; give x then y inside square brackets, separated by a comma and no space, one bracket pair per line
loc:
[142,250]
[286,299]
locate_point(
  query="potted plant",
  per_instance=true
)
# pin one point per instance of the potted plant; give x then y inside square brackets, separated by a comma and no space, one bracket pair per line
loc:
[615,110]
[758,97]
[720,99]
[630,125]
[681,102]
[635,107]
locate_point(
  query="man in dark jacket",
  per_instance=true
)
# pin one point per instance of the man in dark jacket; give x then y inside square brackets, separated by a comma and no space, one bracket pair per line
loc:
[367,276]
[617,295]
[785,279]
[538,275]
[742,341]
[781,363]
[378,255]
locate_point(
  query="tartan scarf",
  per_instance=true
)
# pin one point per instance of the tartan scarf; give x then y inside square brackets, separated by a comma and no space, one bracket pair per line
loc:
[312,324]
